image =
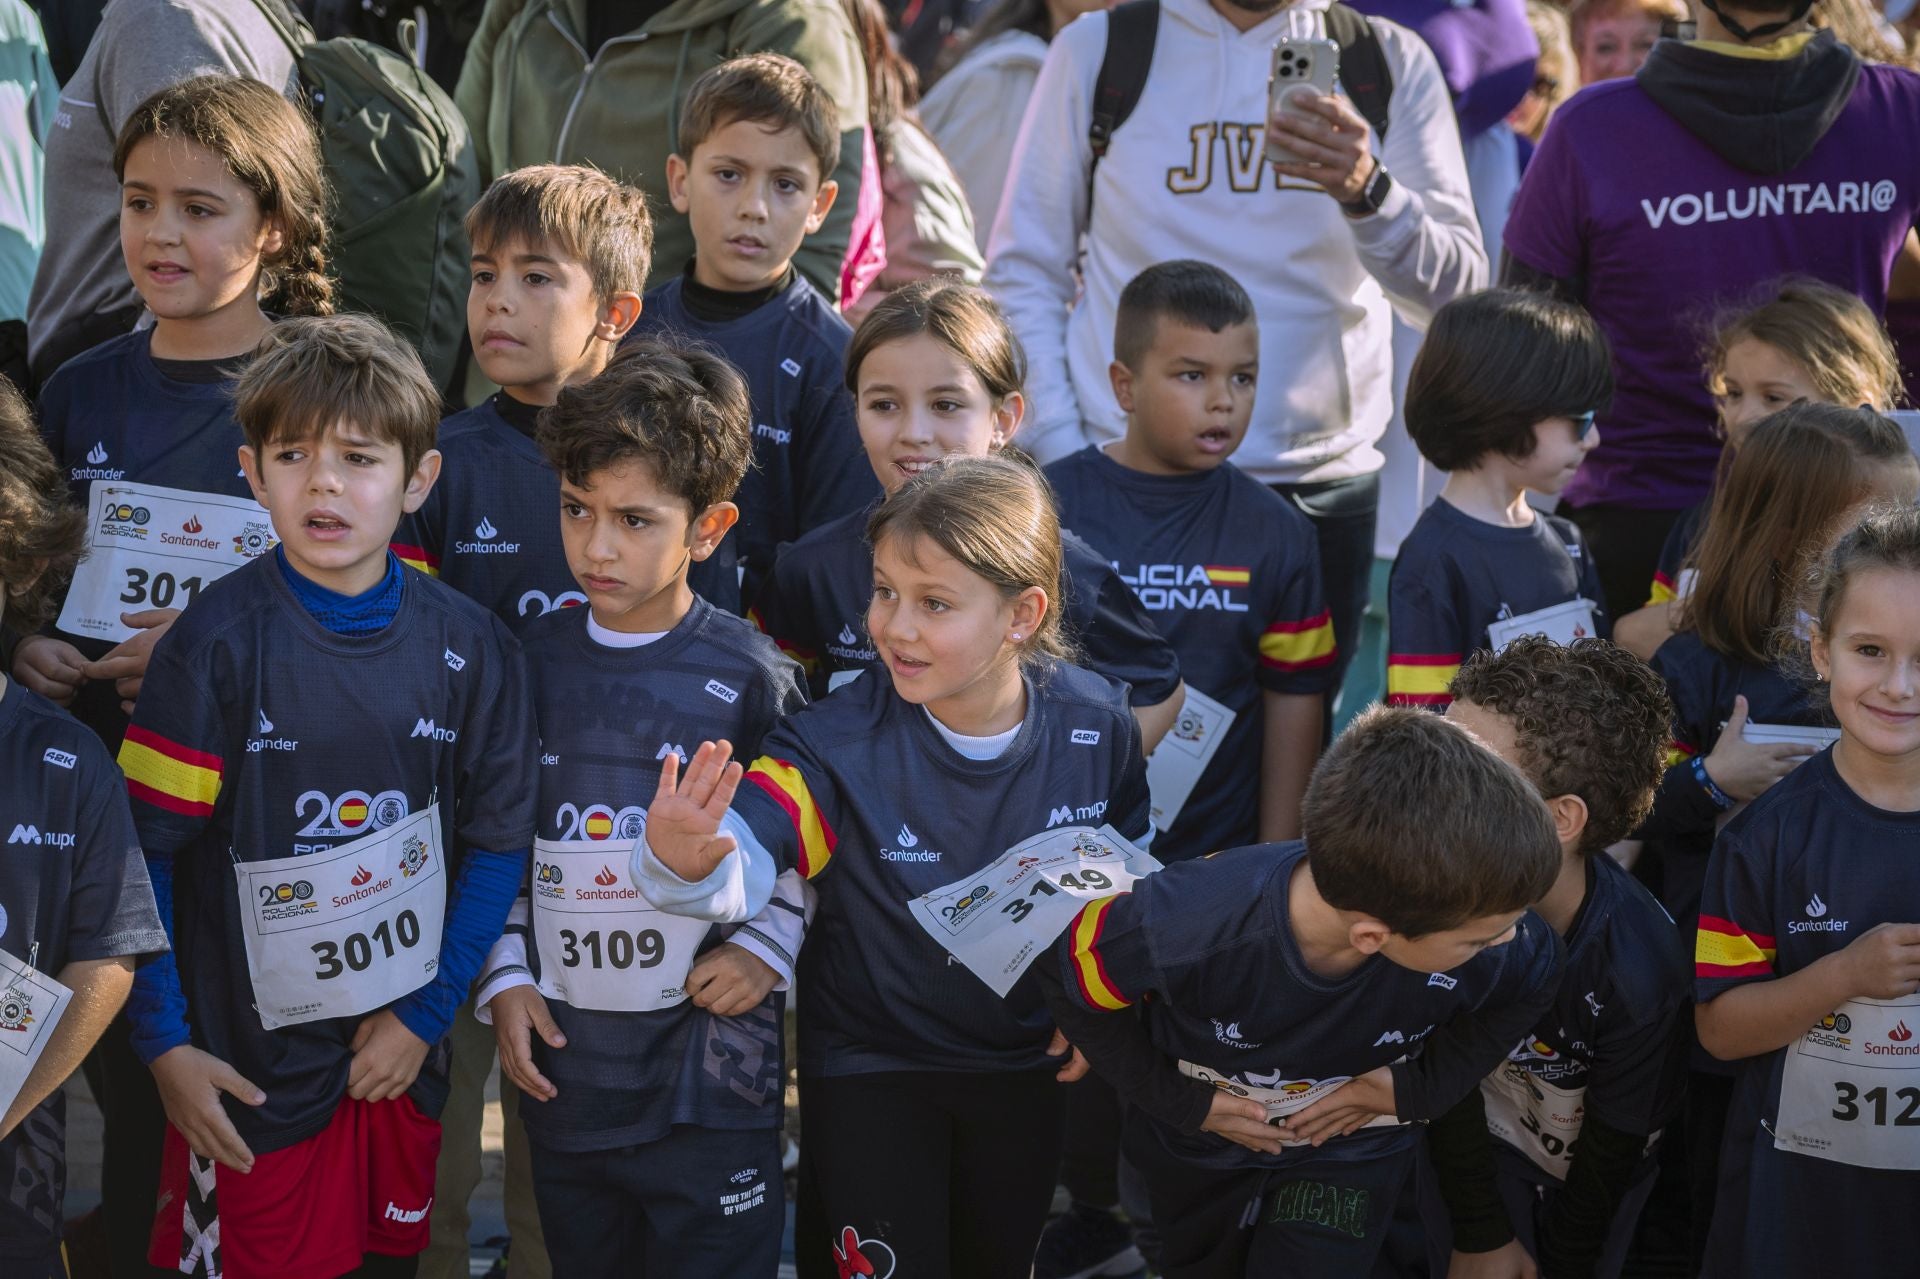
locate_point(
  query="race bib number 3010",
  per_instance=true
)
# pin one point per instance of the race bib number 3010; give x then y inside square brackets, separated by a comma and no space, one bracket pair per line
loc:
[154,547]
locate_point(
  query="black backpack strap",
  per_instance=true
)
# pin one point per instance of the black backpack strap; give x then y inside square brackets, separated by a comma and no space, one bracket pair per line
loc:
[1132,29]
[1364,72]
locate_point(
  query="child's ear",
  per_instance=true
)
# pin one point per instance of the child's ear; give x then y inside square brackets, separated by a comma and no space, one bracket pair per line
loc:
[617,315]
[273,237]
[250,467]
[1368,935]
[1821,654]
[1029,610]
[1008,414]
[708,527]
[1122,379]
[420,483]
[677,182]
[1569,819]
[822,205]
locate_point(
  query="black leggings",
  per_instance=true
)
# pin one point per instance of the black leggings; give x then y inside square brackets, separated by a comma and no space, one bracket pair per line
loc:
[936,1174]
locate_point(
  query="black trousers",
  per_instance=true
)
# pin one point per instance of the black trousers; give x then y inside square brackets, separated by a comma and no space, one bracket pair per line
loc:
[931,1174]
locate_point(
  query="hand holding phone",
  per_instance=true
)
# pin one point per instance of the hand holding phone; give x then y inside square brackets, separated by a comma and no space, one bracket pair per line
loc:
[1303,66]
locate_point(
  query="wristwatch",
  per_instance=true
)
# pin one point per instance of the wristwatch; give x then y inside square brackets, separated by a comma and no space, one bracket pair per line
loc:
[1372,195]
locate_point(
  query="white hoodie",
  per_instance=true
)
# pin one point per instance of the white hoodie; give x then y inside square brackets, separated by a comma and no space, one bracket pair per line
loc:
[974,113]
[1185,177]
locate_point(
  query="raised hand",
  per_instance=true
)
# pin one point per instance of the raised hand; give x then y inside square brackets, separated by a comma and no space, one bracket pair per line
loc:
[683,822]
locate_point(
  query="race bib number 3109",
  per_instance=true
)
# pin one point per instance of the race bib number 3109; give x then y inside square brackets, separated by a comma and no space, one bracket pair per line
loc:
[154,547]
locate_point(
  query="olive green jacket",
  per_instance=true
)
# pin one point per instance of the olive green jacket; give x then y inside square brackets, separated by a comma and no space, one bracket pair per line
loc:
[534,94]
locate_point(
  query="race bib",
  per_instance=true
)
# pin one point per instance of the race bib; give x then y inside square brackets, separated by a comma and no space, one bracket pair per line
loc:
[1534,1117]
[344,932]
[1563,624]
[996,920]
[31,1005]
[154,547]
[1850,1090]
[602,944]
[1175,766]
[1282,1098]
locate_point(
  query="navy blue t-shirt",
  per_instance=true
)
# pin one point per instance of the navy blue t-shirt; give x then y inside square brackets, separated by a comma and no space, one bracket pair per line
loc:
[1455,576]
[809,466]
[814,605]
[1211,942]
[1799,876]
[607,717]
[110,414]
[261,735]
[490,527]
[1229,572]
[1669,572]
[1617,1027]
[862,794]
[72,883]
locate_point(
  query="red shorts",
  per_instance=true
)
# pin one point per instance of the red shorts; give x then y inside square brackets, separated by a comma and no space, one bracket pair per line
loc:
[362,1184]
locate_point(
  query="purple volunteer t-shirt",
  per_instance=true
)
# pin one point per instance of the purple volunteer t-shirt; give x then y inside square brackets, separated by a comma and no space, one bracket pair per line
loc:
[1665,232]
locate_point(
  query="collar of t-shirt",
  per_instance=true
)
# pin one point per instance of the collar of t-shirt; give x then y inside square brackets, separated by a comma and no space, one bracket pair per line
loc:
[718,306]
[977,748]
[619,639]
[362,614]
[201,372]
[521,416]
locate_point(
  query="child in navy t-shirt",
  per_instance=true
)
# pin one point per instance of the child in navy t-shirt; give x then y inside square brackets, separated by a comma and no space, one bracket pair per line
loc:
[1502,397]
[648,1046]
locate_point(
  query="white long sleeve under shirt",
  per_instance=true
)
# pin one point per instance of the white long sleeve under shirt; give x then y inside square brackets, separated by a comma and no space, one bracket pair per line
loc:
[1185,176]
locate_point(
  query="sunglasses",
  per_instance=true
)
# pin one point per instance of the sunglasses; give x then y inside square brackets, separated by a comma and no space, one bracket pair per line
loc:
[1582,424]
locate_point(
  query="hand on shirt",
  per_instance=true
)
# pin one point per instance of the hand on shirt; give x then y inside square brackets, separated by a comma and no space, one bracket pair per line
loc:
[126,665]
[729,980]
[1331,136]
[683,822]
[190,1083]
[1346,1109]
[386,1058]
[1883,962]
[1243,1121]
[1744,769]
[518,1014]
[50,667]
[1509,1261]
[1076,1066]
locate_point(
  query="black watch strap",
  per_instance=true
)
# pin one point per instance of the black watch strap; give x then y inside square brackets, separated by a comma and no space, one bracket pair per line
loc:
[1373,195]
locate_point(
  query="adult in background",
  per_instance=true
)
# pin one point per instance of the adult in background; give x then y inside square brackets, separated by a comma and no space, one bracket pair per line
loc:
[82,294]
[27,97]
[601,82]
[1612,38]
[1761,149]
[1327,250]
[974,108]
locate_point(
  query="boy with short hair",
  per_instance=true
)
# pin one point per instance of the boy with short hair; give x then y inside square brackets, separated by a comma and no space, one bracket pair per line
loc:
[1502,397]
[560,259]
[75,906]
[315,734]
[1605,1067]
[1227,568]
[752,172]
[648,1046]
[1295,993]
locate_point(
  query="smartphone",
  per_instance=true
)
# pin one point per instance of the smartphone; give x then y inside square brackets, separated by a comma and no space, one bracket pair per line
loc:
[1300,65]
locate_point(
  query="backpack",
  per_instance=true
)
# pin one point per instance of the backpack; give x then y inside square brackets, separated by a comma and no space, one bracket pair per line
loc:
[1133,27]
[404,173]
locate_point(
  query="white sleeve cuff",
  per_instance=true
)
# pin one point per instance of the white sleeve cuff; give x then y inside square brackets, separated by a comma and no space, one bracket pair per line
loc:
[737,889]
[506,967]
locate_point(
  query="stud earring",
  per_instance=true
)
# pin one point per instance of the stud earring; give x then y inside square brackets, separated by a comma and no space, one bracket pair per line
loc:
[1016,637]
[999,438]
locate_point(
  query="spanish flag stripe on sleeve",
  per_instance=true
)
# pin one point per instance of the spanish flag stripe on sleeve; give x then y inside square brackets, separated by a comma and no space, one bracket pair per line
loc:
[417,557]
[1298,646]
[1662,591]
[168,775]
[1421,679]
[1679,752]
[1724,949]
[785,785]
[1096,987]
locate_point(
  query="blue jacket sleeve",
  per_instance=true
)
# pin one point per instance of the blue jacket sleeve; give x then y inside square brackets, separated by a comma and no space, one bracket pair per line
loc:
[157,1006]
[476,917]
